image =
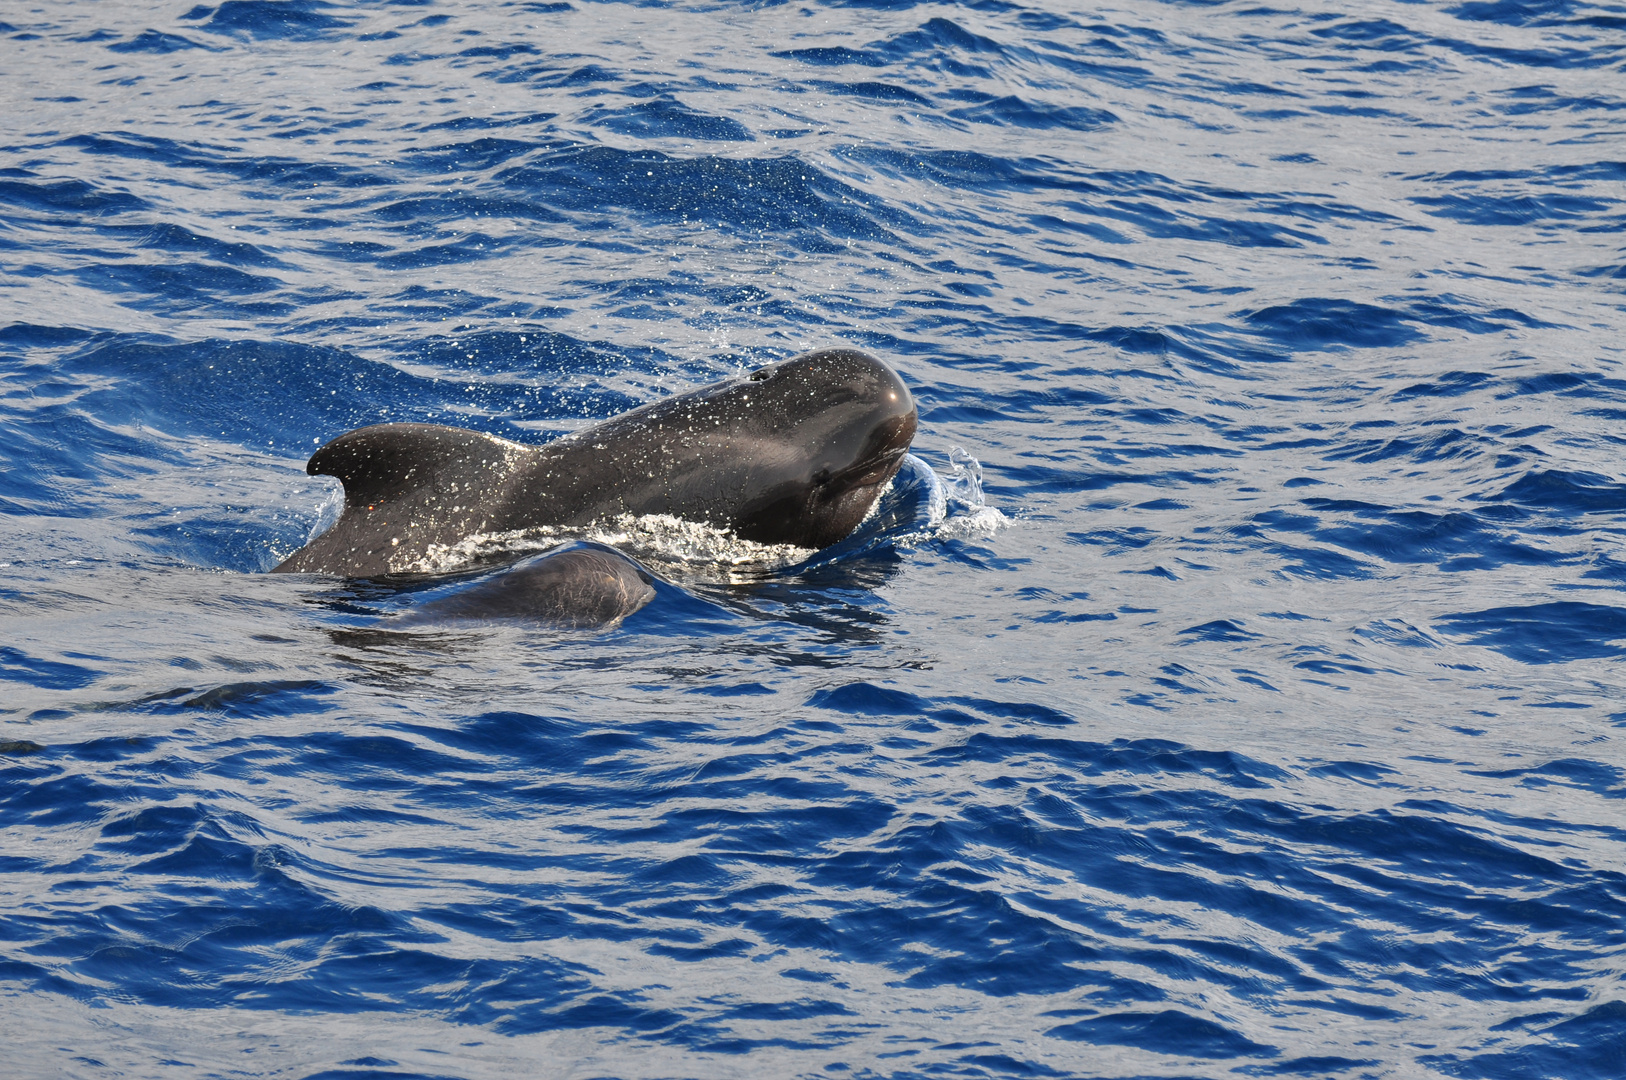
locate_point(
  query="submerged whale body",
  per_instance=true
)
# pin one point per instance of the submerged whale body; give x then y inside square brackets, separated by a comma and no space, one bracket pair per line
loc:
[796,452]
[574,586]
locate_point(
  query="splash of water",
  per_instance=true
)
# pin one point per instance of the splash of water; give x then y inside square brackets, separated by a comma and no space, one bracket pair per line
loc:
[963,481]
[966,513]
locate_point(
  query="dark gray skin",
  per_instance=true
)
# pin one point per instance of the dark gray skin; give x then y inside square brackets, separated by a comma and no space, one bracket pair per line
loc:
[794,453]
[574,587]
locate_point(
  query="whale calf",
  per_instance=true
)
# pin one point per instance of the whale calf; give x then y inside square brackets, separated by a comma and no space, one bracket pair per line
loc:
[795,452]
[575,586]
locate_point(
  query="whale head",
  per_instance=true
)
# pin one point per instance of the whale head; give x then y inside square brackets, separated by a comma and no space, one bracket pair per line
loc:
[814,439]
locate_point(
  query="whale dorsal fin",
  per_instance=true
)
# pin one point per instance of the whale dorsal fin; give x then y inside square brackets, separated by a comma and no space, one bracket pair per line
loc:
[381,463]
[407,487]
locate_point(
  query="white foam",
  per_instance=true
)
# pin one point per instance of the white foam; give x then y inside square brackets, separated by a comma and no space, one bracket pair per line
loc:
[485,548]
[692,550]
[675,548]
[979,523]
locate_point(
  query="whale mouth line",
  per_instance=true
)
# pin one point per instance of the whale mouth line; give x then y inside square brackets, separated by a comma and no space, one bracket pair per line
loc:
[866,473]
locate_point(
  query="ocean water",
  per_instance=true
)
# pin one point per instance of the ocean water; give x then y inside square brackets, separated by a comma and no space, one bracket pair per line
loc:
[1231,685]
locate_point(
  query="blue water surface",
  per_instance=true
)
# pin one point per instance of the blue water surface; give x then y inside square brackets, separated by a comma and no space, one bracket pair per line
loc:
[1262,717]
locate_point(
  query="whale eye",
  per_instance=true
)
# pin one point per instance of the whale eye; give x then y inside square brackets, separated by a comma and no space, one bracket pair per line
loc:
[759,375]
[822,476]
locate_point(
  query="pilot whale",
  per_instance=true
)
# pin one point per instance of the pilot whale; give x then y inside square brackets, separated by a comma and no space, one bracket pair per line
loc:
[575,586]
[795,452]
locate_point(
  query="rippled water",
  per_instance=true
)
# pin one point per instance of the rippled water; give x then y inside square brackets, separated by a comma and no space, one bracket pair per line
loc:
[1265,722]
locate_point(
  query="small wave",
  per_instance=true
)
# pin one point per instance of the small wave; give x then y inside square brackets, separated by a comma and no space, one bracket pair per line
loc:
[290,20]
